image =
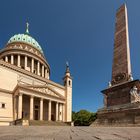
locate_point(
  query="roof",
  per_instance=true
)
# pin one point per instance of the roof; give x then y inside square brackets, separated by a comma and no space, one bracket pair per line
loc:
[25,38]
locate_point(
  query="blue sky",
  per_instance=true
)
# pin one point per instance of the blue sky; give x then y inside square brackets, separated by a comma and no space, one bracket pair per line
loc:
[78,31]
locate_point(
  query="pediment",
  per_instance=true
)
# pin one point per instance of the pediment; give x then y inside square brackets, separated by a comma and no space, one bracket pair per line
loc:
[45,90]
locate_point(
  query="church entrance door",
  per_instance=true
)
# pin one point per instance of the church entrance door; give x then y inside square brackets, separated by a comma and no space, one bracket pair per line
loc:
[36,112]
[36,115]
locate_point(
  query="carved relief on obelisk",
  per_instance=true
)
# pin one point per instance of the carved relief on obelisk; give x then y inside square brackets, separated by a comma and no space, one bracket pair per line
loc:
[121,69]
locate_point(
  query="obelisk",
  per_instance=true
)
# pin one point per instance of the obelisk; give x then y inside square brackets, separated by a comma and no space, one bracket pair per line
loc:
[121,98]
[121,69]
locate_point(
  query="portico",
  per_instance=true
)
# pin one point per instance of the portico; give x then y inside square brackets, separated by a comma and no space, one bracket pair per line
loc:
[37,107]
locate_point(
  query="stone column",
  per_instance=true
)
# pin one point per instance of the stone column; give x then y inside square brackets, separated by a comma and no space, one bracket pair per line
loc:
[41,109]
[12,59]
[31,107]
[32,65]
[49,110]
[46,73]
[25,63]
[18,64]
[56,113]
[14,109]
[42,70]
[38,68]
[6,58]
[20,106]
[60,112]
[63,111]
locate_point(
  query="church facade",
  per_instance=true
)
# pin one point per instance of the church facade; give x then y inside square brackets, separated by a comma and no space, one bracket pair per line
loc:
[26,91]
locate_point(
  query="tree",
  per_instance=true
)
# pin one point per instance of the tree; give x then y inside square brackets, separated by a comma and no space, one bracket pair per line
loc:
[83,118]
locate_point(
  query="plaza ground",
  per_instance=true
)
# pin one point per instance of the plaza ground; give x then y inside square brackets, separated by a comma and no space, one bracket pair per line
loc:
[68,133]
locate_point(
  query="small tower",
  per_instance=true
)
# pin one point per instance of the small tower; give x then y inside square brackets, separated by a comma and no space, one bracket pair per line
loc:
[68,85]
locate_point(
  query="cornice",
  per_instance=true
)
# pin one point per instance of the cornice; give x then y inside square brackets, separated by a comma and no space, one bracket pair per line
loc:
[5,91]
[122,85]
[20,70]
[66,76]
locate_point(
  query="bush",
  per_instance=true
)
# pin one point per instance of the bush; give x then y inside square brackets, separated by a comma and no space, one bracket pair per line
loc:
[83,118]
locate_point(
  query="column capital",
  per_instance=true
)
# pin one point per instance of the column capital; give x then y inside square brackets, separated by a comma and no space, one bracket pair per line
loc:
[32,96]
[20,94]
[50,100]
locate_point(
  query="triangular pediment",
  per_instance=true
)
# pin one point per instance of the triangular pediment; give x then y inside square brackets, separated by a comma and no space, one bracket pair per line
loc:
[44,90]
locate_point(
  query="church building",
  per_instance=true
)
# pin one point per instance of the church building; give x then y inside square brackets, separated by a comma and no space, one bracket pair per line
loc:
[26,91]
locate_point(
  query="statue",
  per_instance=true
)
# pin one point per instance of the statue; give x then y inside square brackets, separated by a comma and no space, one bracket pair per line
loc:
[130,77]
[67,67]
[109,84]
[135,97]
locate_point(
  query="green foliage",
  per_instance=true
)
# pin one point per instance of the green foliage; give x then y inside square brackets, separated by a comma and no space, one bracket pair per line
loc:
[83,118]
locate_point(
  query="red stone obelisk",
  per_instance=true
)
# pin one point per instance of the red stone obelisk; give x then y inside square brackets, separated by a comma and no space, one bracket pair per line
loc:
[121,69]
[121,98]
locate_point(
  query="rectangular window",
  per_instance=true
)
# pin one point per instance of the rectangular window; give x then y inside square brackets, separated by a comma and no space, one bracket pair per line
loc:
[2,105]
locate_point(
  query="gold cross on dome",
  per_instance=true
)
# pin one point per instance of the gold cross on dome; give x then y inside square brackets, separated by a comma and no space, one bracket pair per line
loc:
[27,28]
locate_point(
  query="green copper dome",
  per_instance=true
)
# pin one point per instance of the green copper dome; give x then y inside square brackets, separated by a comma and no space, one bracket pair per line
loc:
[26,38]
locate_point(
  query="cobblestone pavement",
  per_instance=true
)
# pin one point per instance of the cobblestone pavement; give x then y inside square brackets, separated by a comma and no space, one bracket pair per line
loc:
[69,133]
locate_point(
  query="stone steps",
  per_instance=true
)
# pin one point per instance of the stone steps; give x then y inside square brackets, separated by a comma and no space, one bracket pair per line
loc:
[47,123]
